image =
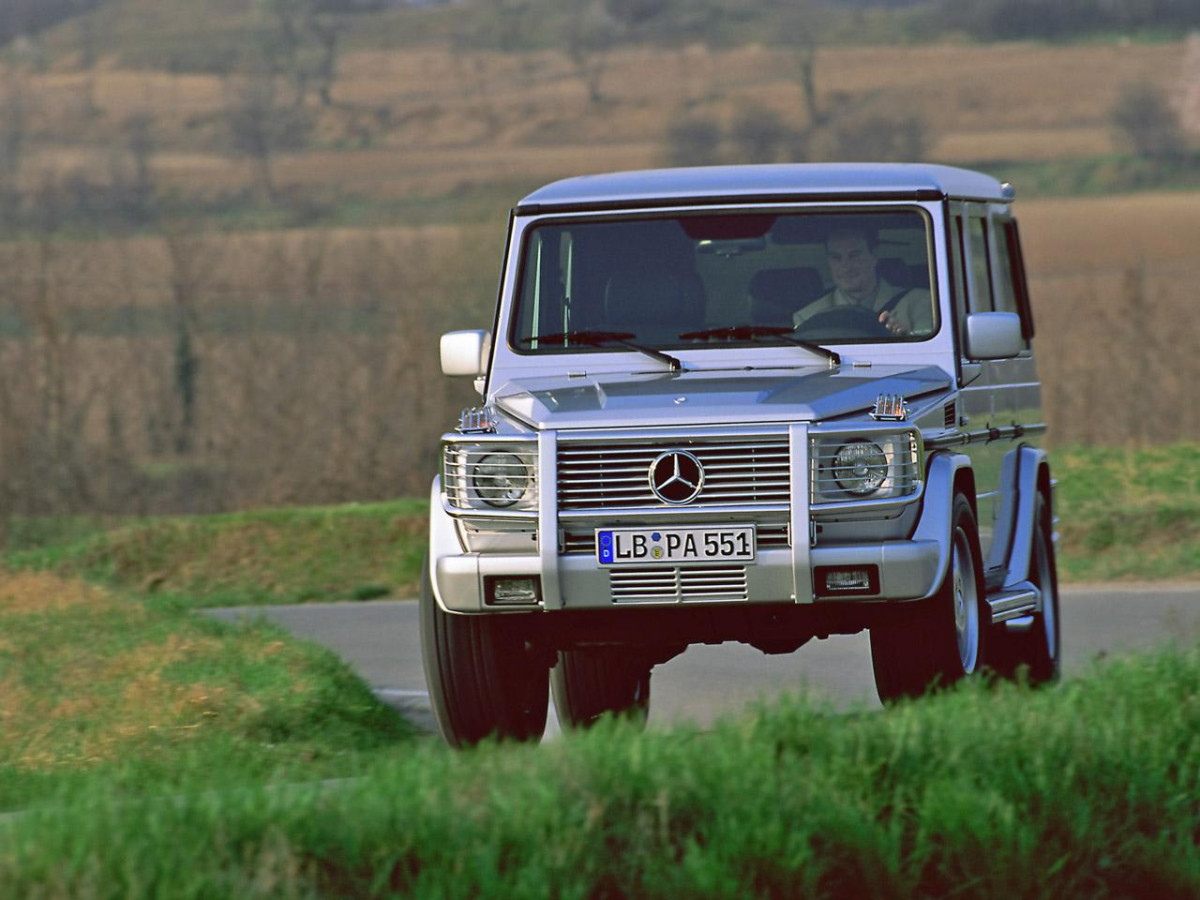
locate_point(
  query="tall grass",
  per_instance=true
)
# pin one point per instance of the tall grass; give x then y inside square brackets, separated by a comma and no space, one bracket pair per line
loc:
[1087,790]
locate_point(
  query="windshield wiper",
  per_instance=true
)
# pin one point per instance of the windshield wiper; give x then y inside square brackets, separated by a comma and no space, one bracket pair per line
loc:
[595,337]
[749,332]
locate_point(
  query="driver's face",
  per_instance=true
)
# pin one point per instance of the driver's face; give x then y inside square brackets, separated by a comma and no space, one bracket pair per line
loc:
[852,265]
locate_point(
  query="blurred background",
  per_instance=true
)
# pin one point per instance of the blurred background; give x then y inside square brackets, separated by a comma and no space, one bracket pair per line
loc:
[231,231]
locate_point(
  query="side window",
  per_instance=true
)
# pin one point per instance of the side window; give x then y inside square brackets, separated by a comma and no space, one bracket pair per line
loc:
[1012,243]
[1005,295]
[1008,277]
[977,248]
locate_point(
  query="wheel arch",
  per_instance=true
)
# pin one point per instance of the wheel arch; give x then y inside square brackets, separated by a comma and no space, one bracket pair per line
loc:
[946,474]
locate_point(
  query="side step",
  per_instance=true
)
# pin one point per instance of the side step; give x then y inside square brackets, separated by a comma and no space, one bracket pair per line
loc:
[1015,605]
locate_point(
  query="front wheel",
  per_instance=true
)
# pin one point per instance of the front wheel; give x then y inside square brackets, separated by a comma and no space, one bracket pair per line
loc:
[936,642]
[592,681]
[484,679]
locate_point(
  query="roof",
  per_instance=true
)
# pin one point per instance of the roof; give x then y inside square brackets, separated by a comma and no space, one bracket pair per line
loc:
[800,181]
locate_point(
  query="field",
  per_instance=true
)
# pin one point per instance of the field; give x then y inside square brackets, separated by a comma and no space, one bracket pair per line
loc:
[220,294]
[456,118]
[1082,791]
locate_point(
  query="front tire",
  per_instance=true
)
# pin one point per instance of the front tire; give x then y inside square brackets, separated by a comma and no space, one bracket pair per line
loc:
[589,682]
[936,642]
[484,679]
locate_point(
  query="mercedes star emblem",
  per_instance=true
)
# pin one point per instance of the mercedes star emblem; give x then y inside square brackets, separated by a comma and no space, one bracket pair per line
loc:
[676,477]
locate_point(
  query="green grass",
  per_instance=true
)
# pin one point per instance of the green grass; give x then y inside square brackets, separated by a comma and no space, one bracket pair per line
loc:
[350,552]
[1128,514]
[1087,790]
[140,695]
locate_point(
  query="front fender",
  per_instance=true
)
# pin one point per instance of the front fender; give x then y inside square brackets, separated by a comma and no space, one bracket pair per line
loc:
[937,508]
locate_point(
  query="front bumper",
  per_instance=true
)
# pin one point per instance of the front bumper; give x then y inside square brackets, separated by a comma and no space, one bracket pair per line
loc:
[909,569]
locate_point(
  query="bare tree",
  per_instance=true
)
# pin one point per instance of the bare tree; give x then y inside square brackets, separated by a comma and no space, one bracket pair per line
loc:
[260,126]
[13,124]
[799,29]
[590,35]
[1144,119]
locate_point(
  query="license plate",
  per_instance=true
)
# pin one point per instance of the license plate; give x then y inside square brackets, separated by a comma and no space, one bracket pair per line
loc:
[642,546]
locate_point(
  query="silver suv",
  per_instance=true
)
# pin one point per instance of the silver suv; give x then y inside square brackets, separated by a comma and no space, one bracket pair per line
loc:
[755,403]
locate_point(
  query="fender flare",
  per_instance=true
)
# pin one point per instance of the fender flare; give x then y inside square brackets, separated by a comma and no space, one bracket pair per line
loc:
[443,539]
[943,474]
[1033,464]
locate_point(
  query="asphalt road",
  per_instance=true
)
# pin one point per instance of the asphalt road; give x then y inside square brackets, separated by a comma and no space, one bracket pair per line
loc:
[381,641]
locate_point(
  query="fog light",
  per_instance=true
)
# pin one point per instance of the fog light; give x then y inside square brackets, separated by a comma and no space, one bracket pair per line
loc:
[848,579]
[525,590]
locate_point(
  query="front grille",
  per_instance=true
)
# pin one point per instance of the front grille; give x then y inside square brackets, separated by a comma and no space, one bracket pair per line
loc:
[616,475]
[768,535]
[671,585]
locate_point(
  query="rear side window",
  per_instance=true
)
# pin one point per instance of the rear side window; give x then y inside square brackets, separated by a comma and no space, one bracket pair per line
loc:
[981,282]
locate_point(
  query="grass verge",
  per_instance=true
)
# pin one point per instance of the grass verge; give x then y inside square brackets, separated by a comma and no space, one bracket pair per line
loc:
[1090,789]
[98,688]
[350,552]
[1128,514]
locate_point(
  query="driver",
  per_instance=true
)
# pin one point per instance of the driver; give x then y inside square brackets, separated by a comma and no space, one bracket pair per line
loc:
[850,251]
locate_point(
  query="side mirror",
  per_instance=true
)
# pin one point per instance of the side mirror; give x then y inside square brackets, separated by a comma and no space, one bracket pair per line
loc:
[994,335]
[465,352]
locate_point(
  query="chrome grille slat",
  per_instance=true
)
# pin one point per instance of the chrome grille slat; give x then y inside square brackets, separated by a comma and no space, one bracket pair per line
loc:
[678,584]
[615,475]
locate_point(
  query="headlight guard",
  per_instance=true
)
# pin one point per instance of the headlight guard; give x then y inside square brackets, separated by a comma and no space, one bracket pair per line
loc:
[490,476]
[865,465]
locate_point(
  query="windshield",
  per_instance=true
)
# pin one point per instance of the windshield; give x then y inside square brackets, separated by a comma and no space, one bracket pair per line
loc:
[691,281]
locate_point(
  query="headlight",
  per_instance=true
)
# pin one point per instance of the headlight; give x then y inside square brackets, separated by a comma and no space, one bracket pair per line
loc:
[865,466]
[490,476]
[860,467]
[499,479]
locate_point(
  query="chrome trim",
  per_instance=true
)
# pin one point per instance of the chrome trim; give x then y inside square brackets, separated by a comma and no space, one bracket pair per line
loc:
[800,522]
[984,436]
[676,584]
[626,435]
[477,420]
[482,516]
[548,521]
[701,514]
[615,476]
[890,408]
[1017,602]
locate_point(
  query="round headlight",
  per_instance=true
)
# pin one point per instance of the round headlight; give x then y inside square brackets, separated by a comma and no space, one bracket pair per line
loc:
[860,467]
[499,479]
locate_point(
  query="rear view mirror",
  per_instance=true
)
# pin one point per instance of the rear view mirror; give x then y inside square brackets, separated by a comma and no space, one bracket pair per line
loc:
[465,352]
[994,335]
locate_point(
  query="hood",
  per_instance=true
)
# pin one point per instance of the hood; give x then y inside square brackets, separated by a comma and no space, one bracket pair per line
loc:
[709,398]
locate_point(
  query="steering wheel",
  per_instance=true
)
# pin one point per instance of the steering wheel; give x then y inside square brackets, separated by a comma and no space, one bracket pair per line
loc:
[847,318]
